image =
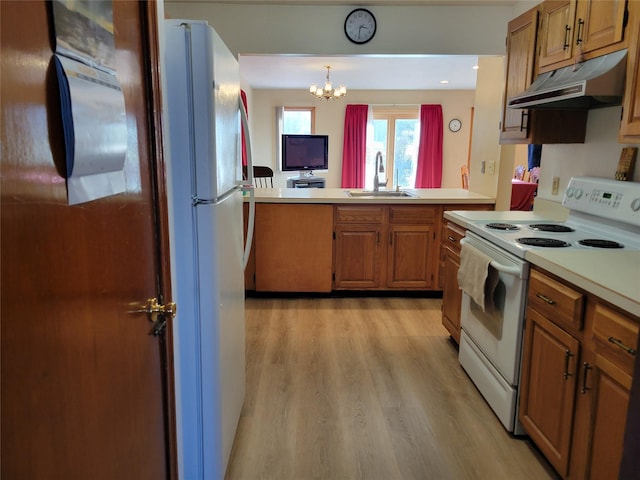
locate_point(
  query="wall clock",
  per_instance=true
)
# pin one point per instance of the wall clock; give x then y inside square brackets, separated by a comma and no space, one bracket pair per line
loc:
[455,125]
[360,26]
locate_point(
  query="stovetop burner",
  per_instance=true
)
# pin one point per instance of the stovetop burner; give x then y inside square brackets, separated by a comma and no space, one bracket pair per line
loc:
[502,226]
[599,243]
[550,227]
[542,242]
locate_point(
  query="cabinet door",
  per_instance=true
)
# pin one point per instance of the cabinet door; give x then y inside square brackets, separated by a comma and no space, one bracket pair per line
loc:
[599,24]
[548,382]
[293,247]
[556,27]
[451,294]
[410,257]
[521,44]
[630,125]
[358,252]
[610,390]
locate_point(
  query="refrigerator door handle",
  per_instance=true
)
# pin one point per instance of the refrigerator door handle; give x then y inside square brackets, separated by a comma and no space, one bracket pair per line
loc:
[248,186]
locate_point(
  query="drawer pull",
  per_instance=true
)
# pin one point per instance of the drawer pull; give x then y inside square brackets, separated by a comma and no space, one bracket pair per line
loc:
[619,343]
[451,239]
[545,299]
[585,372]
[567,356]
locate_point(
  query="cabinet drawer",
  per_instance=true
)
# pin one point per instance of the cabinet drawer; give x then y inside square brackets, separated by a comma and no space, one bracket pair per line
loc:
[452,236]
[413,215]
[616,337]
[349,214]
[555,300]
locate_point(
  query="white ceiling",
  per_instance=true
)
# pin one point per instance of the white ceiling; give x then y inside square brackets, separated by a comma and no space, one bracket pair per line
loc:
[361,72]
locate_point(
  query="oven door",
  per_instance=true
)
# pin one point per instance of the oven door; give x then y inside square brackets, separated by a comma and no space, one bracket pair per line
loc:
[497,332]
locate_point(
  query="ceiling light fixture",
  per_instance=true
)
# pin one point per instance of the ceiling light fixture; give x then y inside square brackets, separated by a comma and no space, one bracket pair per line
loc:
[327,92]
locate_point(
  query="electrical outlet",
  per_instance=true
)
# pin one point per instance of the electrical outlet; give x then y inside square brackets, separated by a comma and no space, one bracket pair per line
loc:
[491,168]
[555,185]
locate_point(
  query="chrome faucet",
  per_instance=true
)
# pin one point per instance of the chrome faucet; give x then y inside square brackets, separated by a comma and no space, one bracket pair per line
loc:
[379,169]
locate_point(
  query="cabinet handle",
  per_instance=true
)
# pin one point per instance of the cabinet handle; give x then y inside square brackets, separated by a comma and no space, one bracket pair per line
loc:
[567,29]
[580,27]
[545,299]
[567,357]
[451,239]
[378,238]
[619,343]
[585,372]
[523,114]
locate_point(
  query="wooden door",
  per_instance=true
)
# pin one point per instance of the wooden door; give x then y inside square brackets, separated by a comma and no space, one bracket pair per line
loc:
[358,256]
[410,257]
[556,37]
[548,383]
[85,386]
[451,294]
[599,24]
[520,65]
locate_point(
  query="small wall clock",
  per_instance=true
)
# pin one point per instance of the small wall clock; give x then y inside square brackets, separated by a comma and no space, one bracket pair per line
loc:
[360,26]
[455,125]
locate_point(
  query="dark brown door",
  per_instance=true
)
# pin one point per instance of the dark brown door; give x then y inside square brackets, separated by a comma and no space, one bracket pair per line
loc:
[85,386]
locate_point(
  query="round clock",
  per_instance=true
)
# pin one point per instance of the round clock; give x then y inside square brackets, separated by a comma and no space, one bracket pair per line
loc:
[360,26]
[455,125]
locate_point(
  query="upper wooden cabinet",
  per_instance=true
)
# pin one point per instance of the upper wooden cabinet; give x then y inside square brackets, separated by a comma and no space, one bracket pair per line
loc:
[571,28]
[533,126]
[630,124]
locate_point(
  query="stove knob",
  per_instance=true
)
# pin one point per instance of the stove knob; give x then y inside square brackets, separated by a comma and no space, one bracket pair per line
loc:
[635,205]
[578,193]
[570,192]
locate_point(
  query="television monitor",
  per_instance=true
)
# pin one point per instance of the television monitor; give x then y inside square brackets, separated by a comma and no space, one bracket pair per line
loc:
[305,152]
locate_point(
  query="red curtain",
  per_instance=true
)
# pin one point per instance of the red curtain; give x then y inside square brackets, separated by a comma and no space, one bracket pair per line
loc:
[429,170]
[243,95]
[355,146]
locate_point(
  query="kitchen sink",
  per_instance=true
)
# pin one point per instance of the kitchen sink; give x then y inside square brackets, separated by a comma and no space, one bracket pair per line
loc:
[379,193]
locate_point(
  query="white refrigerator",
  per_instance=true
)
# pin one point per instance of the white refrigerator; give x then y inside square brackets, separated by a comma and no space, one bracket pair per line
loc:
[207,247]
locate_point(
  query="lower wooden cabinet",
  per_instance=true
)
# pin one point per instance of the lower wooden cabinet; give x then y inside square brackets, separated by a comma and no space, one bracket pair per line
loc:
[451,293]
[576,379]
[385,247]
[293,247]
[547,393]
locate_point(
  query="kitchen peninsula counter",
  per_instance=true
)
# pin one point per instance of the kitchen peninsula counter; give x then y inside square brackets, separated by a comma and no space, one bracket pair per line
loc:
[613,276]
[425,196]
[322,239]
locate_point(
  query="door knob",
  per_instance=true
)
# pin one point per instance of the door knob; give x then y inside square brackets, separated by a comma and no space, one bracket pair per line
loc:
[154,310]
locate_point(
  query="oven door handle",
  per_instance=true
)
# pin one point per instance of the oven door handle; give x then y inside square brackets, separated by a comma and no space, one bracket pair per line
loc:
[515,271]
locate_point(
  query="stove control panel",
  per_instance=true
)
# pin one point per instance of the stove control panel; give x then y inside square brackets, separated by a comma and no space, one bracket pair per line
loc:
[603,197]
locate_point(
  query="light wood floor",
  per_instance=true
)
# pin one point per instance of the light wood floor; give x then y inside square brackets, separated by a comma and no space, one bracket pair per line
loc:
[365,388]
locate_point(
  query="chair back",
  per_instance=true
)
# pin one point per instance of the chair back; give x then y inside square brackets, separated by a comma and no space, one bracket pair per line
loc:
[464,176]
[262,176]
[534,174]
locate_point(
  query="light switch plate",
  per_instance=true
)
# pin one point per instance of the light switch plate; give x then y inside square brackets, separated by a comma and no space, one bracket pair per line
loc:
[555,185]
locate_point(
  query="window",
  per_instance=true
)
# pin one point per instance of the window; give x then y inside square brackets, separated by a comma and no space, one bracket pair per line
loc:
[396,134]
[298,120]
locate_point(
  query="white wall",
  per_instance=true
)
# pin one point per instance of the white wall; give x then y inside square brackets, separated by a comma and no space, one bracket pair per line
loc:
[311,29]
[416,29]
[330,121]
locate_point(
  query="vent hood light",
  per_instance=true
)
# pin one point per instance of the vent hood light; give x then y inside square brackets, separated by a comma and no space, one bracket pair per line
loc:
[598,82]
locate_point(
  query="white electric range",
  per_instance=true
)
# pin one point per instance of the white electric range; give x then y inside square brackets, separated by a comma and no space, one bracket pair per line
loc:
[604,215]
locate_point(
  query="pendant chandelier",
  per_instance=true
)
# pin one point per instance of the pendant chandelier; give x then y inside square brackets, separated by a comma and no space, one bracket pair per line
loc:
[327,92]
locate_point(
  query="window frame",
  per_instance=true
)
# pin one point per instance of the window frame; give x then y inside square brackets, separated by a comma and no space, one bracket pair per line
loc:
[391,114]
[311,110]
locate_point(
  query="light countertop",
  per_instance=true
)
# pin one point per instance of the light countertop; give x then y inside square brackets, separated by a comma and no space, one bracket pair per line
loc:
[613,276]
[339,195]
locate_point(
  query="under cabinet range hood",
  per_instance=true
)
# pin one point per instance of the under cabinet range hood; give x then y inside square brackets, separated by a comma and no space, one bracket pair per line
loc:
[598,82]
